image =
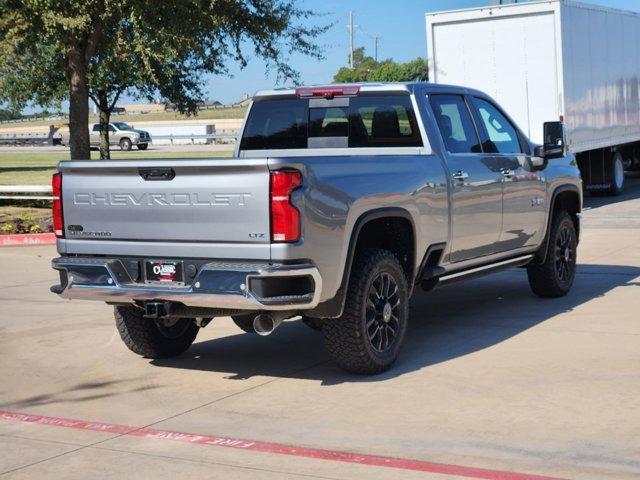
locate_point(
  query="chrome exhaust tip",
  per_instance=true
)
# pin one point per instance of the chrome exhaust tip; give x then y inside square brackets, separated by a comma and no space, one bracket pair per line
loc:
[265,324]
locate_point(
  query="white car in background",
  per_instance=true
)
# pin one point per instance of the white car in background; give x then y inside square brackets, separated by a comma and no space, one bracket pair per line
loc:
[120,133]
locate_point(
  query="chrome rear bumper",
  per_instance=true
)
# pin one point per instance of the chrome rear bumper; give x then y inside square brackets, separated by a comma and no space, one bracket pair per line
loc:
[218,285]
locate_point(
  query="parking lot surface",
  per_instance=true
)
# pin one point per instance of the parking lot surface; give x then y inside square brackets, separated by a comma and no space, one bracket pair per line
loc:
[492,383]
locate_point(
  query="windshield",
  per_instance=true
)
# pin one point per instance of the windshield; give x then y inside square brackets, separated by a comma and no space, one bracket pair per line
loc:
[123,126]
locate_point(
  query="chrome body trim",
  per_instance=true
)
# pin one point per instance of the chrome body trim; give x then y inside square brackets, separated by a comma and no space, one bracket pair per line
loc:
[490,266]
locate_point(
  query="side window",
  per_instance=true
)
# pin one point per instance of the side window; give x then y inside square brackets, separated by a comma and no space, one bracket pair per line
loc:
[96,128]
[383,121]
[498,134]
[455,123]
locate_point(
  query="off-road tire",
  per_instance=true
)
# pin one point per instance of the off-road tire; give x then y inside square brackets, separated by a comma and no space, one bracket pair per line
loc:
[125,144]
[148,338]
[347,338]
[545,278]
[244,322]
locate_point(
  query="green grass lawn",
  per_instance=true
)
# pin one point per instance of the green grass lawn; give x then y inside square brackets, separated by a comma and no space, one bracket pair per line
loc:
[36,168]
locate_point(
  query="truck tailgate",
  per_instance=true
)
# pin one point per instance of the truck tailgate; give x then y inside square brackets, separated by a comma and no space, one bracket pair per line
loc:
[221,200]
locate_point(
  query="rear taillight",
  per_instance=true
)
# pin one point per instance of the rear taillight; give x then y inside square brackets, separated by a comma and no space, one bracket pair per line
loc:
[56,187]
[285,218]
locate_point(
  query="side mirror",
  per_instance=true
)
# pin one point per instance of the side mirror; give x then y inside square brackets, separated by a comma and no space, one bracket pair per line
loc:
[555,140]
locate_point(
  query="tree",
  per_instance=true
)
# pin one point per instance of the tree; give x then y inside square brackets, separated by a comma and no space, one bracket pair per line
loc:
[362,66]
[9,114]
[366,69]
[52,50]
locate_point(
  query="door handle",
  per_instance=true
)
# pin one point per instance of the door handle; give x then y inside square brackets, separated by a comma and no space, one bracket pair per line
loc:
[460,175]
[507,172]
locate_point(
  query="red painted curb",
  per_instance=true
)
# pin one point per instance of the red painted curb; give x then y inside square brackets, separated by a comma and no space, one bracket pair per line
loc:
[278,448]
[28,239]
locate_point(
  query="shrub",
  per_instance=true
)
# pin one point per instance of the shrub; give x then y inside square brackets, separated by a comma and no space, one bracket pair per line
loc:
[8,228]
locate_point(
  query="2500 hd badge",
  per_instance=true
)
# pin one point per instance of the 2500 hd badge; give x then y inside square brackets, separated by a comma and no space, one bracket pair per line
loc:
[78,231]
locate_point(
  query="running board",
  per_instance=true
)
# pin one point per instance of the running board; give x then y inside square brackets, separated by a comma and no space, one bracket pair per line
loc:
[485,269]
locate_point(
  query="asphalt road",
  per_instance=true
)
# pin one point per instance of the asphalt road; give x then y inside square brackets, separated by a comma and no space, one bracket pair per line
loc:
[491,377]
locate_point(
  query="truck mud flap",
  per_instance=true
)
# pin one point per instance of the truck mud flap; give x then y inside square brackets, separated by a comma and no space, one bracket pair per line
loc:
[596,169]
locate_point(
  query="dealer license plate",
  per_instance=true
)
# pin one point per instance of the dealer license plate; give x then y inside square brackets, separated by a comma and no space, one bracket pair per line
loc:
[159,271]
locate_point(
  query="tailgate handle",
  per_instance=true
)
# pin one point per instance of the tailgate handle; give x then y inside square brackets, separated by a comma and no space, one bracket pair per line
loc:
[157,173]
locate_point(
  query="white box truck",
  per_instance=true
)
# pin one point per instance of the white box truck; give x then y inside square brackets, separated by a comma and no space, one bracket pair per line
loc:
[550,60]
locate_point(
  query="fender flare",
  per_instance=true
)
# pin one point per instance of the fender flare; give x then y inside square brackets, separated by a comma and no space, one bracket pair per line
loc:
[541,254]
[333,307]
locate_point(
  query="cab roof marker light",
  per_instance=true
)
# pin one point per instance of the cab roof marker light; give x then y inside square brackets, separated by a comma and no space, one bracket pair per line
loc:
[328,92]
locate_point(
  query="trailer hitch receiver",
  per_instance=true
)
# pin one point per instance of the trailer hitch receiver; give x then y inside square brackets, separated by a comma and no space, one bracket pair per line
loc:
[157,310]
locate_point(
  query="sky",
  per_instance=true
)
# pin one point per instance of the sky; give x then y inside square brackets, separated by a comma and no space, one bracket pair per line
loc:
[400,23]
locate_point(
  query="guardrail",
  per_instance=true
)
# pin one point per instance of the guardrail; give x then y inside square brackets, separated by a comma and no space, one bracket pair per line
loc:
[19,192]
[208,136]
[38,138]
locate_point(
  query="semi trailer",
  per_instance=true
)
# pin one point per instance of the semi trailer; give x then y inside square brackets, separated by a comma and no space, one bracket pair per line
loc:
[552,60]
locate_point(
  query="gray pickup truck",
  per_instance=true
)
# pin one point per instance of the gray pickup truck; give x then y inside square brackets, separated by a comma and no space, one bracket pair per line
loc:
[339,202]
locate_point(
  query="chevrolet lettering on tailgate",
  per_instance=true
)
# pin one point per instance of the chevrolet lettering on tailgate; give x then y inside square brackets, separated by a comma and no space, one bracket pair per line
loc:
[161,199]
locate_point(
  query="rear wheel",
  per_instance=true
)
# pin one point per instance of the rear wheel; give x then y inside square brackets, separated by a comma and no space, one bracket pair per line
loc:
[151,338]
[367,338]
[125,144]
[555,276]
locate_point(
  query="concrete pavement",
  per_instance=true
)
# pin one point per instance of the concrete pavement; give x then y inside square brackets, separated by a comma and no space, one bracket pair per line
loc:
[490,377]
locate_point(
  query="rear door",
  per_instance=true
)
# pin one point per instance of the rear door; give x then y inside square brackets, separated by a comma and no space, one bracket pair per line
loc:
[476,180]
[524,189]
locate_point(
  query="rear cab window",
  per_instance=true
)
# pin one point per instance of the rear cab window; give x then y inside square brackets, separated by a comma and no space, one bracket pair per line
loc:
[376,121]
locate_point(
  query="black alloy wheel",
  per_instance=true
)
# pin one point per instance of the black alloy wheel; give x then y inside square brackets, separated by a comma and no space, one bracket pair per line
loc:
[564,255]
[382,312]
